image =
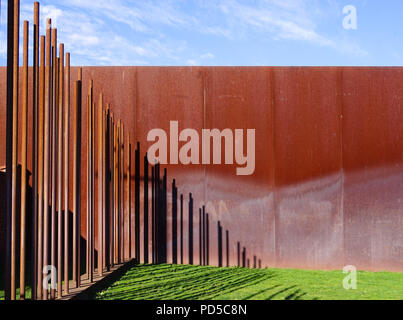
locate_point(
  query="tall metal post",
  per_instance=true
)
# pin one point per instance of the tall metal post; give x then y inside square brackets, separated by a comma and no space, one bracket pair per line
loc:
[24,145]
[100,186]
[60,175]
[77,111]
[46,157]
[9,146]
[40,168]
[66,171]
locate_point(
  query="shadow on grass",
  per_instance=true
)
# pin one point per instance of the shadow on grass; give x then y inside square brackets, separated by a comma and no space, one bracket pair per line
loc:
[173,282]
[261,292]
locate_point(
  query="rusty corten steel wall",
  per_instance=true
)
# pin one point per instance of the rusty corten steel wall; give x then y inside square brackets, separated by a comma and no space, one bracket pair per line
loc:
[327,190]
[165,94]
[241,98]
[373,160]
[308,174]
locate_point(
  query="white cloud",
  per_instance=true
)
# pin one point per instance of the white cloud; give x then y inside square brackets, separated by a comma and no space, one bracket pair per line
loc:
[192,62]
[92,36]
[208,55]
[84,39]
[125,32]
[274,18]
[137,15]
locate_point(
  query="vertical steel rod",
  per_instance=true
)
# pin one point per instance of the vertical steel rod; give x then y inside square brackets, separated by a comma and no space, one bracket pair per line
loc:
[118,204]
[137,202]
[40,167]
[190,229]
[146,202]
[207,240]
[107,178]
[87,251]
[153,214]
[239,254]
[120,146]
[165,211]
[128,194]
[122,191]
[157,212]
[110,186]
[227,246]
[9,145]
[174,223]
[15,147]
[104,182]
[92,184]
[219,244]
[200,237]
[113,200]
[204,235]
[181,226]
[54,122]
[35,107]
[100,186]
[116,180]
[76,181]
[48,99]
[60,174]
[66,171]
[24,160]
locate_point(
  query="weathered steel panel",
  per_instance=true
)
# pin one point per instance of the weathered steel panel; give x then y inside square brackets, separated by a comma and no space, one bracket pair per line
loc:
[241,98]
[308,176]
[373,160]
[164,95]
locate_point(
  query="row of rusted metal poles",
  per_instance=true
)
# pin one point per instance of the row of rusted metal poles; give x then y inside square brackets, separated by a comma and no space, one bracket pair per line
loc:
[108,215]
[53,253]
[114,202]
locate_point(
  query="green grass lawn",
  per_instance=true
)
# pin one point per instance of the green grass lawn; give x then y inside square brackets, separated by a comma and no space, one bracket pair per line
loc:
[175,282]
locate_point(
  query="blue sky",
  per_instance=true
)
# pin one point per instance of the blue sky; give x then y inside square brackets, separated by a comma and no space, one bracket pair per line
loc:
[227,32]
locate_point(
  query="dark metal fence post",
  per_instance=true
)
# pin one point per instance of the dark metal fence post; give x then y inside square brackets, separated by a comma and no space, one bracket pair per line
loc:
[219,244]
[227,245]
[204,235]
[181,227]
[207,240]
[137,202]
[190,229]
[23,207]
[174,223]
[153,214]
[77,125]
[200,237]
[146,209]
[239,253]
[35,109]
